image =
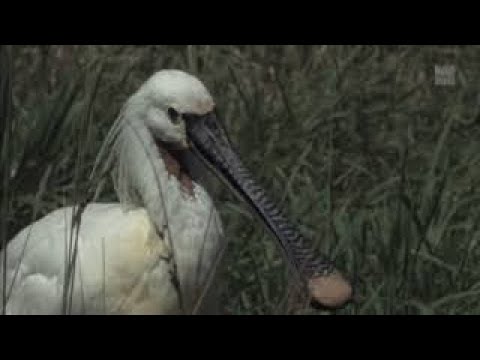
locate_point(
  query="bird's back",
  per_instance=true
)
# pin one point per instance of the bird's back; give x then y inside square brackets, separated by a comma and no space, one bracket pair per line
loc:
[121,265]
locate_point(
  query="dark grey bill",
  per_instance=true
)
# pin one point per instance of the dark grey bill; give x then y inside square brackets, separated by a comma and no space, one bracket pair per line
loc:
[210,142]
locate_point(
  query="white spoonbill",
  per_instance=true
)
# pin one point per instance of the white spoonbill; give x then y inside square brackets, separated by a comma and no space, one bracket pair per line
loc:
[156,251]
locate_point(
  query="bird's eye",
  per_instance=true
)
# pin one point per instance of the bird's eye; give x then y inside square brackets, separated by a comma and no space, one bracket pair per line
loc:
[174,115]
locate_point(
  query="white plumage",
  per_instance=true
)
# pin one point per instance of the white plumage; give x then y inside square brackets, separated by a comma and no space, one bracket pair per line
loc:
[130,255]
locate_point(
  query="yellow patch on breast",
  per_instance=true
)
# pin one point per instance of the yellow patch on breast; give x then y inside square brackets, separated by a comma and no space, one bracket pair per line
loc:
[140,244]
[137,250]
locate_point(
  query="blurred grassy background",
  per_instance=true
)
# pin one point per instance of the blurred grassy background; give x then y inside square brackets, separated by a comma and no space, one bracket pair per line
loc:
[377,163]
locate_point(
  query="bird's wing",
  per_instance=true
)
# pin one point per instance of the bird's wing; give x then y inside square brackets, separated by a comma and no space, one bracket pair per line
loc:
[118,258]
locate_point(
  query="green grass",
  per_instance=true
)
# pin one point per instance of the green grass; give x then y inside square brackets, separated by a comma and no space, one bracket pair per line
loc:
[377,164]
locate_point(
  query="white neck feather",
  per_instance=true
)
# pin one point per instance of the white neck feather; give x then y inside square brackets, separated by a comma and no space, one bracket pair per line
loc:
[192,222]
[141,177]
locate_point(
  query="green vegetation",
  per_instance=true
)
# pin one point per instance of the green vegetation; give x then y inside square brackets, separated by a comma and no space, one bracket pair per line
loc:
[377,163]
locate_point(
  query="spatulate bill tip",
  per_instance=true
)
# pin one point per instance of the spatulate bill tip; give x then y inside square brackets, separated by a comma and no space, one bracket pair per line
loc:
[330,291]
